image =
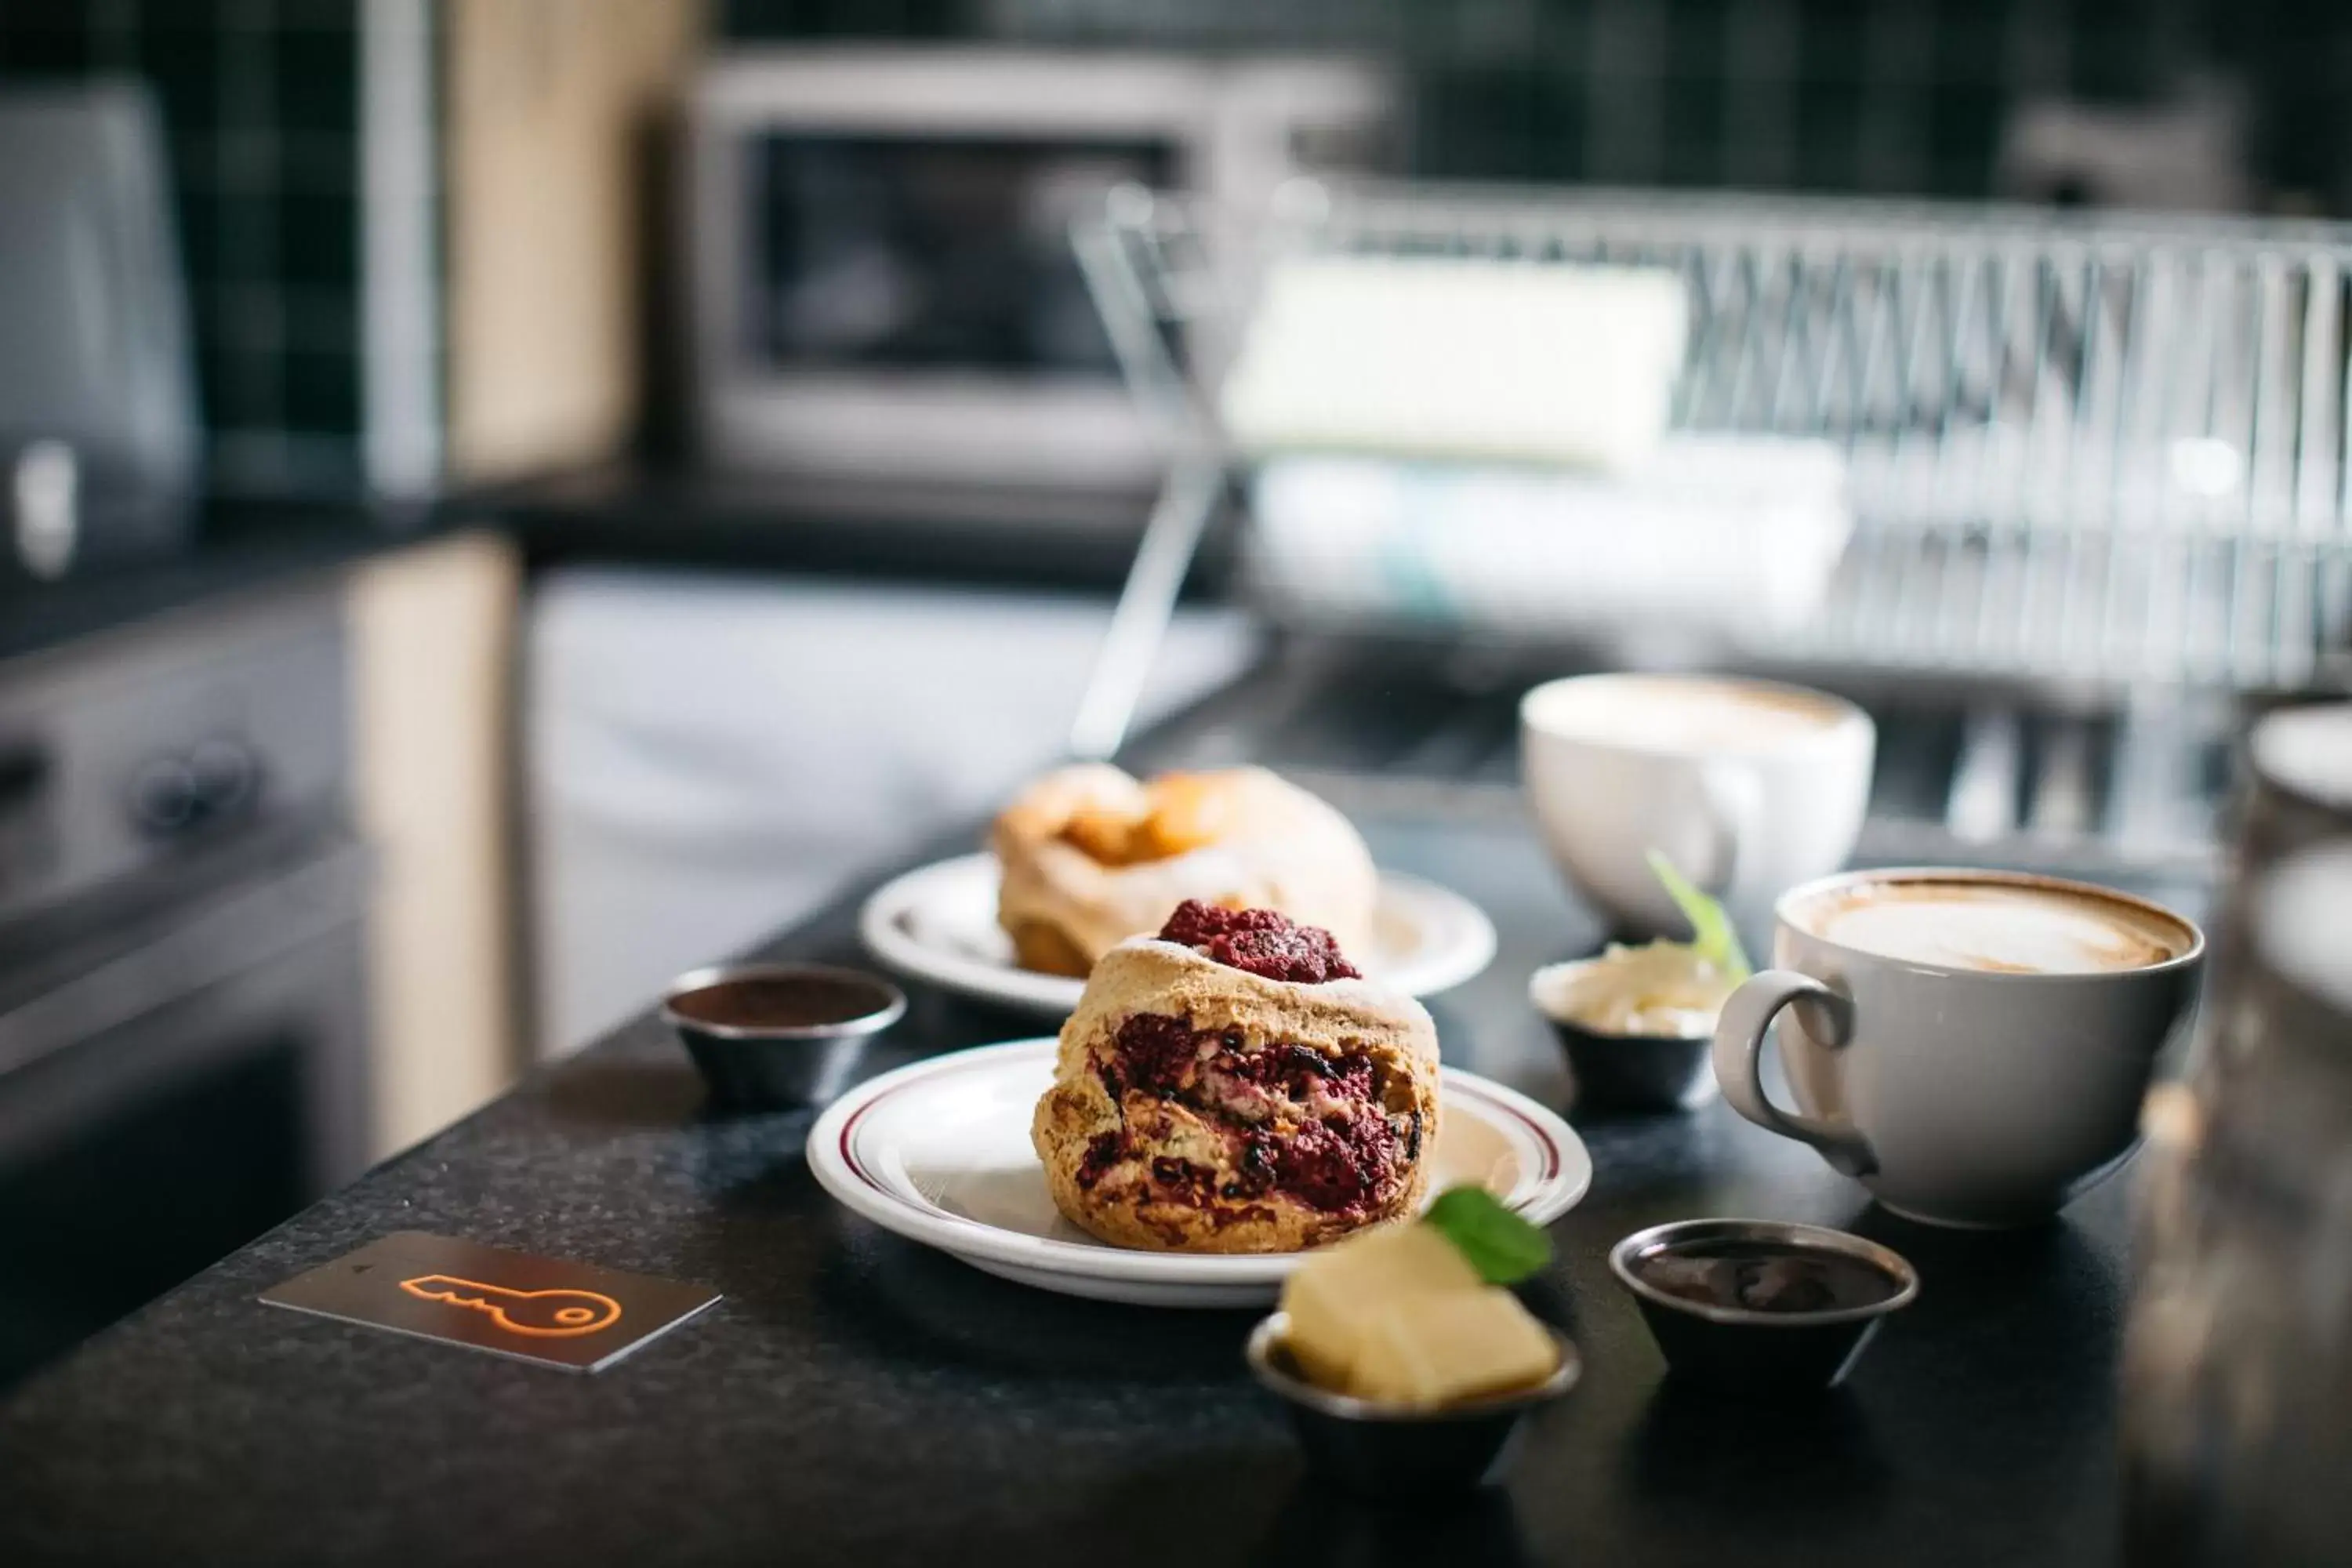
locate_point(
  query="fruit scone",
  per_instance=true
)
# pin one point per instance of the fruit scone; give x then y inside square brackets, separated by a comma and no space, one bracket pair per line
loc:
[1235,1085]
[1091,857]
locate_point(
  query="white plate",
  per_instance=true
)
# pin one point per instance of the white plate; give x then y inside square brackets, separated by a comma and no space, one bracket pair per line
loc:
[938,924]
[938,1152]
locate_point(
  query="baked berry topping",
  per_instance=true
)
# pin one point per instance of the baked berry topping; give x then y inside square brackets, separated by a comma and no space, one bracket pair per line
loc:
[1259,942]
[1298,1071]
[1297,1121]
[1340,1162]
[1103,1151]
[1184,1181]
[1258,1162]
[1158,1053]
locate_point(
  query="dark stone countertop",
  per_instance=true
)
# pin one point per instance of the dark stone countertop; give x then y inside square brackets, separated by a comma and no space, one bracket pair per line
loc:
[233,547]
[858,1399]
[635,512]
[646,512]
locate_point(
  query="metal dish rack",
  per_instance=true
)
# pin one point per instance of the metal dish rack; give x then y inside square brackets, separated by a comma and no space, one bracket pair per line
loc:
[2108,453]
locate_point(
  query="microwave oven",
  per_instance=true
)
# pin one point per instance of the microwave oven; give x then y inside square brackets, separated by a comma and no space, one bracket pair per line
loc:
[882,296]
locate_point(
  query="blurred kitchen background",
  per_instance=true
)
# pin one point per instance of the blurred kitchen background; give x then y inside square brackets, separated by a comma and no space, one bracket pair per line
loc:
[507,500]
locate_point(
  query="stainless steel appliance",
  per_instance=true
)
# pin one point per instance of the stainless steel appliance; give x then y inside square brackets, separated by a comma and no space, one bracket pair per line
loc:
[98,427]
[879,279]
[181,1025]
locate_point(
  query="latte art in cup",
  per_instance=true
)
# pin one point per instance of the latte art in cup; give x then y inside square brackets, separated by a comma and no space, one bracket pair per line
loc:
[2003,928]
[1682,714]
[1973,1046]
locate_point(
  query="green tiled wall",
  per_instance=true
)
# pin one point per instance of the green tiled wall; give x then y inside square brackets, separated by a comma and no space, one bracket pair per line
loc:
[1897,96]
[261,101]
[1905,96]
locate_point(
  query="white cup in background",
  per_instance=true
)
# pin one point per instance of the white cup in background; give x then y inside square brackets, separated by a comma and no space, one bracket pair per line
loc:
[1748,786]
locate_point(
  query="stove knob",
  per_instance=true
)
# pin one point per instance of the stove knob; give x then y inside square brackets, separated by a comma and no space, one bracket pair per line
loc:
[166,799]
[227,777]
[24,775]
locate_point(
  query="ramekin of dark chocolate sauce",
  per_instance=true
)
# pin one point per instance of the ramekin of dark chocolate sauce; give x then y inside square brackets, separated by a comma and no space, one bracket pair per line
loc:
[769,1036]
[1759,1305]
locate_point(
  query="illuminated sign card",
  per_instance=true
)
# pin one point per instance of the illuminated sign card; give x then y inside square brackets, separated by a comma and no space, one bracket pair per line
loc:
[539,1310]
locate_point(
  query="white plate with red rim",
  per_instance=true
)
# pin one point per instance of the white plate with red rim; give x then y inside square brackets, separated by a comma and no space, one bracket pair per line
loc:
[938,925]
[938,1152]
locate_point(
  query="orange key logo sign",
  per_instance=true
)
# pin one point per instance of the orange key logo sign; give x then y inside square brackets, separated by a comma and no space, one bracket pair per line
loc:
[551,1311]
[540,1314]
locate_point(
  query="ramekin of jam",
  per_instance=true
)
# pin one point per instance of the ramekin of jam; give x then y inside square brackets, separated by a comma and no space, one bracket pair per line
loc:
[773,1036]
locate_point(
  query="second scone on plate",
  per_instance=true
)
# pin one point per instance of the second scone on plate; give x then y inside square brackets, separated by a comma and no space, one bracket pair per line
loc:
[1235,1085]
[1091,856]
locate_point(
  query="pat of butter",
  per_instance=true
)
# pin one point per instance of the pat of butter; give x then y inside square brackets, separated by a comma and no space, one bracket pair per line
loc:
[1334,1297]
[1432,1350]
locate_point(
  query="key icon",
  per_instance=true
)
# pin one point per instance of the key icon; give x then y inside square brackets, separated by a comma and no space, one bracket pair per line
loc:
[547,1314]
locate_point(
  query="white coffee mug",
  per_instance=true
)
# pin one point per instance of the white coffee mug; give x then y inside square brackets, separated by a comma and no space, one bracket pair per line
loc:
[1962,1081]
[1748,786]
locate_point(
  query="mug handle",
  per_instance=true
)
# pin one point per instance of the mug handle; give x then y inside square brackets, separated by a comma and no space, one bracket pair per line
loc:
[1740,1033]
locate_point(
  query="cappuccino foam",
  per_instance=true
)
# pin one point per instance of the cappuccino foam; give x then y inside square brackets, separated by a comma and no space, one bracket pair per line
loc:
[1681,714]
[2005,928]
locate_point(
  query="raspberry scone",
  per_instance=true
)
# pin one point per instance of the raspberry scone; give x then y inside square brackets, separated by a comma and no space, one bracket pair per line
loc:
[1235,1085]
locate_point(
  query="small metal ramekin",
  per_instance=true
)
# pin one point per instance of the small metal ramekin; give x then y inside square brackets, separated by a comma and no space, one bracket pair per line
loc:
[1764,1353]
[1385,1449]
[770,1068]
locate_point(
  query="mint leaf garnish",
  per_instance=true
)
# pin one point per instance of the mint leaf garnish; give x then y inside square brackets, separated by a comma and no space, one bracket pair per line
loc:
[1503,1247]
[1712,938]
